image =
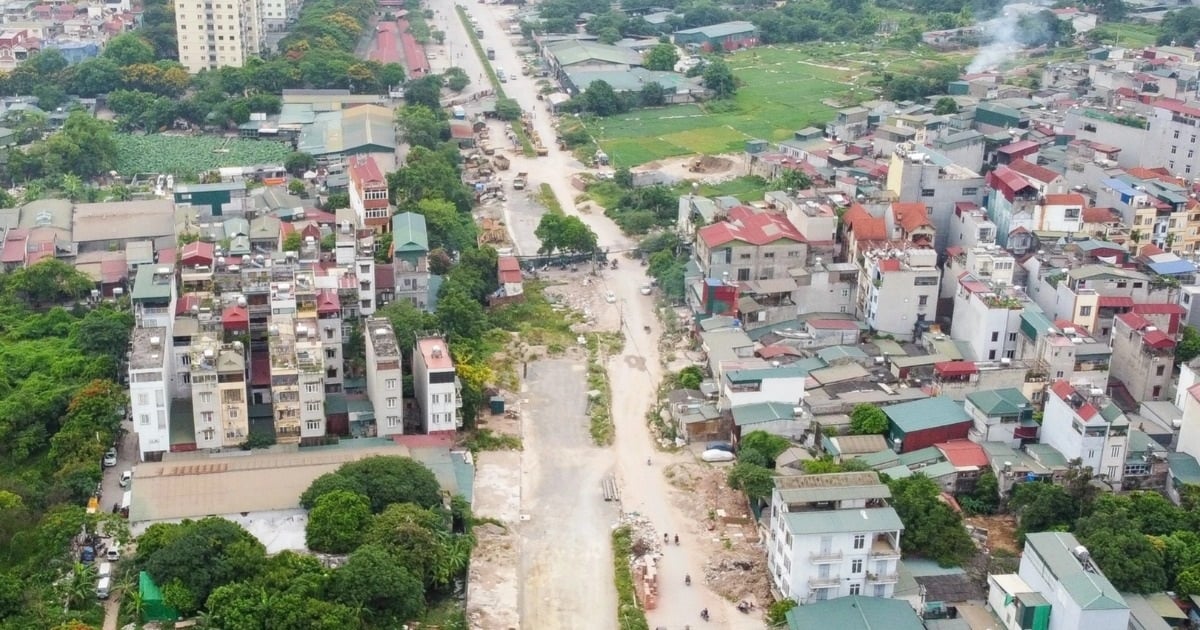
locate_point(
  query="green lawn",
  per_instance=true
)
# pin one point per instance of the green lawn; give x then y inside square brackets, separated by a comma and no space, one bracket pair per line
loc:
[783,89]
[1126,34]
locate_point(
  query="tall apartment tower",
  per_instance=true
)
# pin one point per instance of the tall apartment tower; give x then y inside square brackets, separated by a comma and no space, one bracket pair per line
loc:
[385,380]
[213,33]
[218,379]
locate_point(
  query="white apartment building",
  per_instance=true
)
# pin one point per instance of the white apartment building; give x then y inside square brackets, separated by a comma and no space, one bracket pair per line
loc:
[833,536]
[987,318]
[1058,568]
[329,316]
[310,361]
[215,34]
[898,290]
[920,174]
[277,14]
[435,383]
[761,384]
[149,402]
[385,378]
[1081,423]
[354,250]
[285,379]
[219,405]
[1189,429]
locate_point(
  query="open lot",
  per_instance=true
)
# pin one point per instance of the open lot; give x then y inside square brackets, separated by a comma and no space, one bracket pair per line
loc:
[782,89]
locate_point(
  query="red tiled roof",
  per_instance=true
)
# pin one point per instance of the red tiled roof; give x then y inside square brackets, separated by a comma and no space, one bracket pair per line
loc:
[113,271]
[864,226]
[14,246]
[964,453]
[746,225]
[911,216]
[319,217]
[185,303]
[1158,339]
[363,168]
[1150,249]
[1008,181]
[1064,391]
[1133,320]
[328,301]
[1023,147]
[955,368]
[889,264]
[197,253]
[1033,171]
[1158,173]
[1115,302]
[385,277]
[165,255]
[1127,92]
[832,324]
[1158,309]
[260,369]
[965,206]
[41,252]
[771,352]
[510,276]
[1177,106]
[1065,199]
[234,317]
[1100,215]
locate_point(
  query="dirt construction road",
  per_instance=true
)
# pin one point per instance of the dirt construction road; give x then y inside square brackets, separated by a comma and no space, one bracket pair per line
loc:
[634,377]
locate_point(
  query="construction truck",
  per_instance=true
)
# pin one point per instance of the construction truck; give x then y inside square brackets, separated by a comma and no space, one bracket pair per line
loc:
[520,180]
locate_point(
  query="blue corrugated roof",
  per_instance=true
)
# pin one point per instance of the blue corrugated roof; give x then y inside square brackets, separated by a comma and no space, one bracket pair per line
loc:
[1172,267]
[1122,187]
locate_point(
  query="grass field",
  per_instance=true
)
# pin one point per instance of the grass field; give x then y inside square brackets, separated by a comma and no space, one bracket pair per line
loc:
[783,89]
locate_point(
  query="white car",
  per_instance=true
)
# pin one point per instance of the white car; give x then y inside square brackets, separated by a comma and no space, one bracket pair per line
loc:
[645,289]
[610,297]
[126,478]
[110,458]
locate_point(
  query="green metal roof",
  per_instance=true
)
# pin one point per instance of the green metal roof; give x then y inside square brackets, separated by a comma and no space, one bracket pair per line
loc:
[758,413]
[409,233]
[720,30]
[897,472]
[1091,590]
[929,413]
[920,456]
[882,459]
[761,374]
[834,493]
[856,612]
[1047,455]
[1000,402]
[833,353]
[149,288]
[1184,468]
[570,52]
[335,403]
[843,521]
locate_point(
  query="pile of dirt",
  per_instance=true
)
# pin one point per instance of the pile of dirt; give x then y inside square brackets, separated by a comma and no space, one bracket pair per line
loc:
[739,574]
[708,164]
[1001,531]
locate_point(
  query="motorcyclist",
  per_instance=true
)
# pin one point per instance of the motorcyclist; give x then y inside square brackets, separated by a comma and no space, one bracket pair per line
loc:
[687,580]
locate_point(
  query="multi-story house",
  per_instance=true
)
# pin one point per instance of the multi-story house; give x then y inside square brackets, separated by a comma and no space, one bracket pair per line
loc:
[219,406]
[435,383]
[1171,138]
[369,193]
[277,14]
[898,289]
[329,319]
[1082,423]
[1143,357]
[987,317]
[1089,296]
[149,400]
[1001,415]
[310,361]
[825,287]
[920,174]
[385,380]
[750,245]
[154,296]
[1155,206]
[213,35]
[970,227]
[762,383]
[354,252]
[1012,205]
[285,379]
[832,536]
[1057,350]
[1061,570]
[410,258]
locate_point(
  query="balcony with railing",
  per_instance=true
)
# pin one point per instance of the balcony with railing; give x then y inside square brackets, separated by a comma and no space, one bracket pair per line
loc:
[824,582]
[884,546]
[883,578]
[825,556]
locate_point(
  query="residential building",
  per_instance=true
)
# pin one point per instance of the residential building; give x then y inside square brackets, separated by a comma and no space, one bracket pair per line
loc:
[1056,350]
[435,383]
[278,14]
[825,287]
[1189,427]
[762,383]
[750,245]
[369,193]
[832,536]
[215,35]
[512,281]
[149,400]
[218,380]
[410,258]
[1001,415]
[385,378]
[1086,295]
[987,263]
[1143,357]
[297,380]
[920,174]
[922,423]
[154,296]
[1082,423]
[310,360]
[1171,138]
[855,612]
[987,318]
[1059,569]
[354,252]
[897,291]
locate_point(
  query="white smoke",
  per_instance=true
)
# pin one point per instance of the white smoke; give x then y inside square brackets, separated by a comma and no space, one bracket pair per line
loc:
[1000,42]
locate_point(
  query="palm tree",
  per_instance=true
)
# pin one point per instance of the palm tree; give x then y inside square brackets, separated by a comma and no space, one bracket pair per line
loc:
[73,187]
[135,604]
[81,585]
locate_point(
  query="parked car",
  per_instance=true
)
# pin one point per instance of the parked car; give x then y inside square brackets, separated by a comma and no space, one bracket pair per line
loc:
[110,458]
[126,478]
[88,555]
[610,297]
[645,289]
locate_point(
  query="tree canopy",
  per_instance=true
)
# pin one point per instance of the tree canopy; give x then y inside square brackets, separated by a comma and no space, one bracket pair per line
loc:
[383,480]
[868,419]
[931,528]
[566,234]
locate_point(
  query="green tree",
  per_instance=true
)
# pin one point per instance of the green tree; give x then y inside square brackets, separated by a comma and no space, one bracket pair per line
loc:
[985,498]
[337,522]
[719,78]
[446,226]
[292,242]
[945,105]
[377,580]
[48,281]
[456,79]
[421,126]
[690,377]
[1042,507]
[663,57]
[559,233]
[795,179]
[756,481]
[461,315]
[417,535]
[204,555]
[652,94]
[129,49]
[383,479]
[771,446]
[931,528]
[407,322]
[508,109]
[868,420]
[425,91]
[600,99]
[297,187]
[777,612]
[298,162]
[1189,345]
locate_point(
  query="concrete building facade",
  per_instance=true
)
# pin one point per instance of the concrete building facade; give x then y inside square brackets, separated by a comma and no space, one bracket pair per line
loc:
[435,384]
[212,35]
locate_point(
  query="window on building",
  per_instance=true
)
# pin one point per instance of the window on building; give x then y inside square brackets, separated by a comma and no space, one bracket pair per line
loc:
[1156,391]
[744,257]
[922,300]
[313,406]
[1012,337]
[310,388]
[856,566]
[880,590]
[768,254]
[143,399]
[855,589]
[743,275]
[330,353]
[389,383]
[206,417]
[1159,370]
[1112,472]
[313,425]
[144,419]
[1137,285]
[860,541]
[205,397]
[1085,311]
[968,192]
[1116,451]
[991,355]
[1176,135]
[928,192]
[391,403]
[187,378]
[1173,149]
[393,421]
[995,336]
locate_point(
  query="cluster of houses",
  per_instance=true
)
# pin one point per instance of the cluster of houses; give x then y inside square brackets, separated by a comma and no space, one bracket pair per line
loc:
[1008,282]
[77,30]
